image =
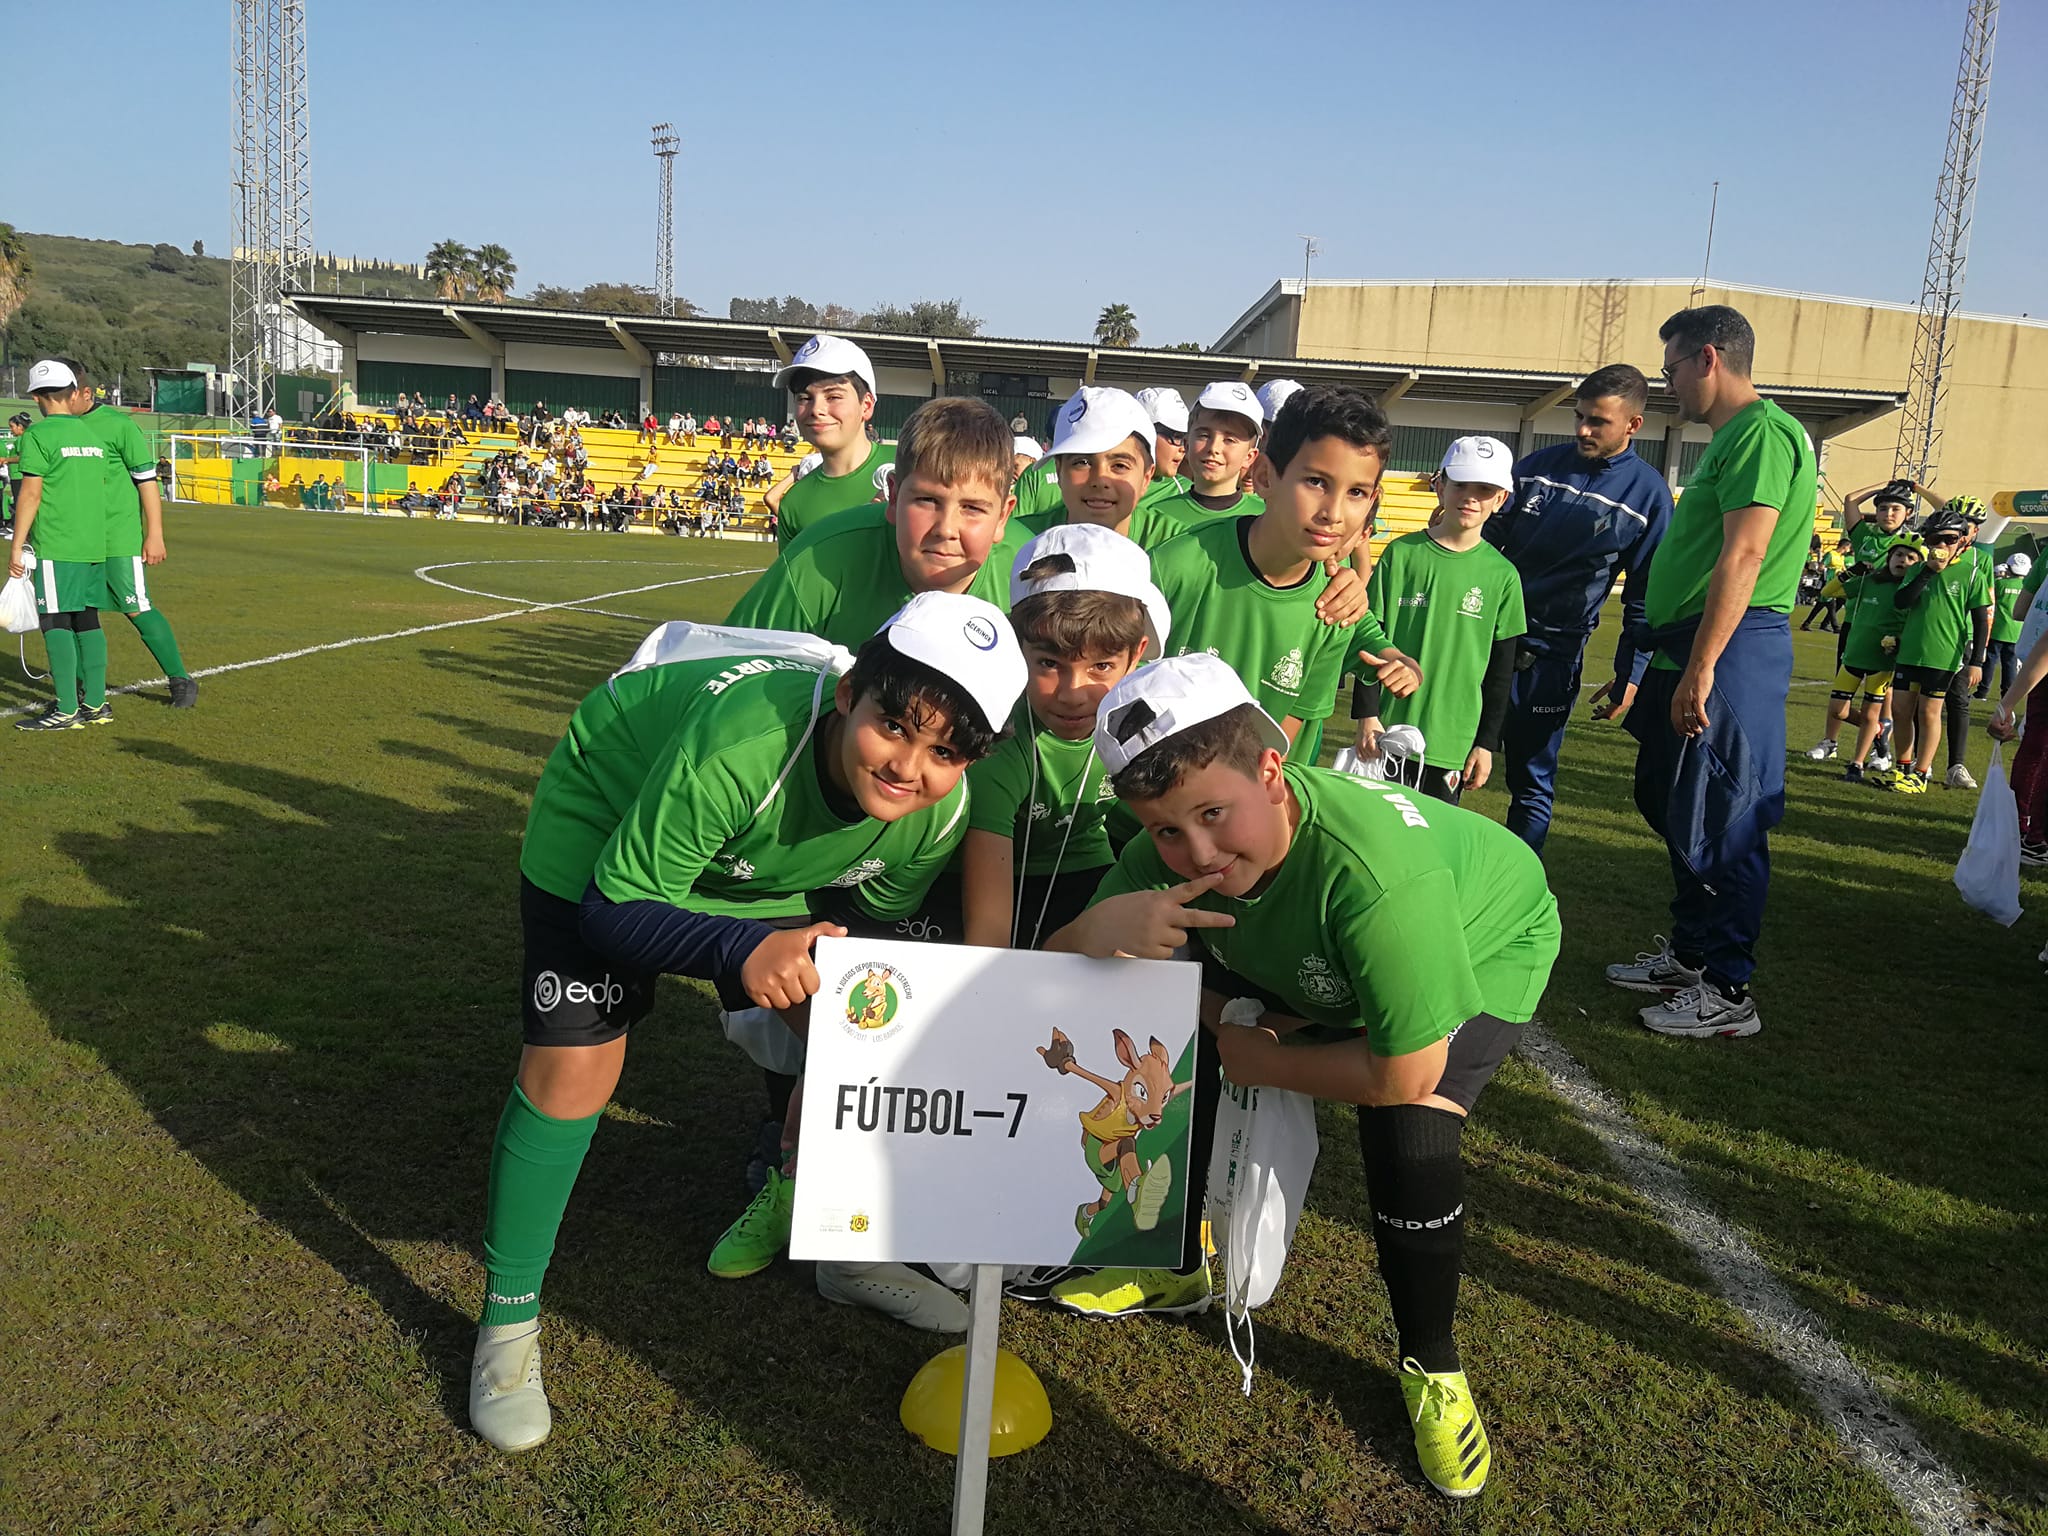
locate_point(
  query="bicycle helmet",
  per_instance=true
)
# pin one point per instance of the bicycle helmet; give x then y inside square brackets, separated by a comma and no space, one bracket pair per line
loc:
[1971,508]
[1948,521]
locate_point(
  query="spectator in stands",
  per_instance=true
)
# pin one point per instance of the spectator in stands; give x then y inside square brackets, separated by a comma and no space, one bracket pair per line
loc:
[1020,425]
[689,430]
[789,437]
[675,427]
[725,436]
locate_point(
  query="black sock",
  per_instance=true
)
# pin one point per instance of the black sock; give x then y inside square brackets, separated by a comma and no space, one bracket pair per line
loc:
[1415,1180]
[1733,991]
[780,1087]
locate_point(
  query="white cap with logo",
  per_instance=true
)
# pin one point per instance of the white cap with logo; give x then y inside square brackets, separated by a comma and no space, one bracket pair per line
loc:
[1166,408]
[829,355]
[1095,419]
[968,640]
[1235,396]
[1169,697]
[50,374]
[1274,393]
[1486,460]
[1028,447]
[1099,560]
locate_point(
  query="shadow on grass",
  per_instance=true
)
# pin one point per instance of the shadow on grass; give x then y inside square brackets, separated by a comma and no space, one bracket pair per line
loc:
[378,944]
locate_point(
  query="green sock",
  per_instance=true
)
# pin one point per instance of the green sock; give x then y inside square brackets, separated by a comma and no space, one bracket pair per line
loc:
[92,667]
[155,630]
[62,645]
[534,1163]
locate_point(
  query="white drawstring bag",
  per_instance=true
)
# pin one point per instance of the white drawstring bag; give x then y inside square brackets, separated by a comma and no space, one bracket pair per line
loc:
[18,605]
[1399,760]
[1988,873]
[1259,1171]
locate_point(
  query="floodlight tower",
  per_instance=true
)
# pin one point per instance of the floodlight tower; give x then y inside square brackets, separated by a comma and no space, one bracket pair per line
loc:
[273,246]
[1941,289]
[665,144]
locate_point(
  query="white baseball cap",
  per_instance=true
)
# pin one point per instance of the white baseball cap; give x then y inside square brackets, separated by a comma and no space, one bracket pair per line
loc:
[2020,563]
[51,374]
[1103,560]
[1095,419]
[1487,460]
[1165,407]
[969,641]
[1273,394]
[1235,396]
[1027,445]
[829,355]
[1167,698]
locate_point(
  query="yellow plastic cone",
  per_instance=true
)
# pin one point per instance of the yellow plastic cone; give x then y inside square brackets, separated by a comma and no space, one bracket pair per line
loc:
[931,1404]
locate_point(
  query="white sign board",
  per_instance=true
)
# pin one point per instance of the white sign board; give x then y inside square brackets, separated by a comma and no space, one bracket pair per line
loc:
[995,1106]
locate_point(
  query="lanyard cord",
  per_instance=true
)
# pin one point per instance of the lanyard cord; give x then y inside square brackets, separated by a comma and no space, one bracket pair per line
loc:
[817,700]
[1017,896]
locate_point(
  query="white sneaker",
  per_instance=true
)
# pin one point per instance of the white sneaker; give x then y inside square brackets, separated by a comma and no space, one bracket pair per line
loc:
[1701,1013]
[1822,750]
[508,1406]
[1656,971]
[895,1291]
[1959,777]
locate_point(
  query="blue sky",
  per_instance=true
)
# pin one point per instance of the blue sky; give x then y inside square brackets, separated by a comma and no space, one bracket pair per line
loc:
[1041,161]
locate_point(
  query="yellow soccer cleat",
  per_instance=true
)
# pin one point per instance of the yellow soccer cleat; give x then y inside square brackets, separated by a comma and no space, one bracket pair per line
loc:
[1449,1439]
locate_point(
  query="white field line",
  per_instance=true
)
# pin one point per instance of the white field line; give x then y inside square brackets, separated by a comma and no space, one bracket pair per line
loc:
[582,605]
[1933,1497]
[418,629]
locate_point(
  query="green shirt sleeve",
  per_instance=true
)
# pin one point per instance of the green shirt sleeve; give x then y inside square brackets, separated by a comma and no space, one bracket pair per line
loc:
[1512,622]
[38,456]
[1404,952]
[1000,782]
[133,448]
[684,814]
[775,601]
[1757,470]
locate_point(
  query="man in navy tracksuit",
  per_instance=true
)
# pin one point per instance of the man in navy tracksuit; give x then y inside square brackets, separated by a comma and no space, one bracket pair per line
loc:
[1583,512]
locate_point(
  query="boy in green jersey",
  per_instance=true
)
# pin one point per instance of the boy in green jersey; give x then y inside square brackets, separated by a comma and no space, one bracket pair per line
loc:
[1454,602]
[60,527]
[948,512]
[1222,446]
[2008,579]
[1399,947]
[1257,591]
[10,461]
[1947,609]
[1102,450]
[1169,413]
[1086,613]
[691,821]
[833,386]
[1871,655]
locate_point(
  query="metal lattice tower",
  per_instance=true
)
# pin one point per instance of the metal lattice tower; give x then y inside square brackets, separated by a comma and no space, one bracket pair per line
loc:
[273,243]
[665,146]
[1941,290]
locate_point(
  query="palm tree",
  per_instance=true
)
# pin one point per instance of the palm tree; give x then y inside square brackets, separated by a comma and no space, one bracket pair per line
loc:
[445,266]
[16,268]
[1116,326]
[495,270]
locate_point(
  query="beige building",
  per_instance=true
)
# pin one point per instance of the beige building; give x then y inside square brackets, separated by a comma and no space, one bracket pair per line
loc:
[1994,424]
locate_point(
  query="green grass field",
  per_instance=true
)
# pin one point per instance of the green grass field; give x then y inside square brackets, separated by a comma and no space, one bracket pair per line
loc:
[258,1012]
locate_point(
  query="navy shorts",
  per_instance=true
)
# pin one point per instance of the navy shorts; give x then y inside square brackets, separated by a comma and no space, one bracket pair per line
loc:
[568,994]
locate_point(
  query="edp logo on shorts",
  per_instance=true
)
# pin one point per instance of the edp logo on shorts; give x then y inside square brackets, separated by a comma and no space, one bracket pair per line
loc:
[549,989]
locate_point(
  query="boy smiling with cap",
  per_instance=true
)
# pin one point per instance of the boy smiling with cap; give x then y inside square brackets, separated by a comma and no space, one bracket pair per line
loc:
[832,384]
[1102,449]
[1223,439]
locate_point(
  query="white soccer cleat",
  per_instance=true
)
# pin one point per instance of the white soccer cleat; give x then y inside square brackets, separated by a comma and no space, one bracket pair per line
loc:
[1822,750]
[895,1291]
[1656,970]
[508,1405]
[1701,1013]
[1960,777]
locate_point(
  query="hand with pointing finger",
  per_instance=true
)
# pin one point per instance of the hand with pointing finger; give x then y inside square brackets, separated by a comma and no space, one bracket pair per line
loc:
[779,973]
[1148,925]
[1398,673]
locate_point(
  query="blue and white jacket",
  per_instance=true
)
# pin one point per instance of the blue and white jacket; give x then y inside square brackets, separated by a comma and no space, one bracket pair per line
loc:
[1573,526]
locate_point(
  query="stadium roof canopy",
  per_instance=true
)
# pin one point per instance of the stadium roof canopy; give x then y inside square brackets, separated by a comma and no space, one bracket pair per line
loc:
[344,316]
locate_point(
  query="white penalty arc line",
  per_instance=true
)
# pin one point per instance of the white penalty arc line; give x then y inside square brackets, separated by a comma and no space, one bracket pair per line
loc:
[1933,1497]
[402,634]
[581,605]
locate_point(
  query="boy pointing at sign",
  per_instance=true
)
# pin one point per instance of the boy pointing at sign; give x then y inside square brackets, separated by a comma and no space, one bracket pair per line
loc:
[1400,943]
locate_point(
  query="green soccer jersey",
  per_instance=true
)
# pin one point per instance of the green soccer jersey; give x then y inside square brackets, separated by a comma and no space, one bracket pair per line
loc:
[1048,796]
[128,464]
[1390,913]
[1446,608]
[1270,636]
[699,784]
[818,495]
[1150,526]
[68,455]
[1038,490]
[1183,508]
[1867,544]
[1760,457]
[2005,623]
[1938,628]
[843,579]
[1870,619]
[1165,487]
